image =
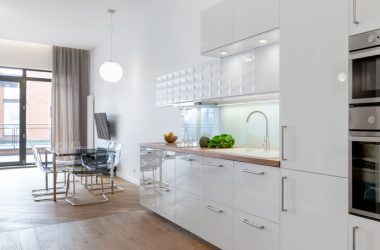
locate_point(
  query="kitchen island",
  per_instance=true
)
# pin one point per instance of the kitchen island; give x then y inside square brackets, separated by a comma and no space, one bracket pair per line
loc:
[228,197]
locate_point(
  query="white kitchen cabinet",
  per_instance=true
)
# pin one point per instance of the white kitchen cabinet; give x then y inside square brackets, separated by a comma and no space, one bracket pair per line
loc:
[165,200]
[217,224]
[313,103]
[188,174]
[251,232]
[148,195]
[267,68]
[364,16]
[188,211]
[257,190]
[231,21]
[215,80]
[314,211]
[217,26]
[252,17]
[366,233]
[217,180]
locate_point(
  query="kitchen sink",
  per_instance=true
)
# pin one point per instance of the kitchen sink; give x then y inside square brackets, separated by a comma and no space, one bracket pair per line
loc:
[254,152]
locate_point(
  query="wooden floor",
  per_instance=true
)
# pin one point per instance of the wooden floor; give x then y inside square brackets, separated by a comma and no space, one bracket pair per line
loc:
[119,224]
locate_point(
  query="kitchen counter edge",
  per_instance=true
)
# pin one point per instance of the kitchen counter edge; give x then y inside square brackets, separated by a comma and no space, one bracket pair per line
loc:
[272,162]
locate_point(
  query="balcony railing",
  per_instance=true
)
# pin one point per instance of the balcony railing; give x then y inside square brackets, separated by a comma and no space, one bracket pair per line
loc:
[36,134]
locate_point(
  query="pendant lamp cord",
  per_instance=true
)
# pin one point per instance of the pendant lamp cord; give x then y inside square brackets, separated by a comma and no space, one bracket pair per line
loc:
[111,35]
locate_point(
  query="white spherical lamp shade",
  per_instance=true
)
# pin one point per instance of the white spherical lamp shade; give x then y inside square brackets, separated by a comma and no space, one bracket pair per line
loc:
[111,71]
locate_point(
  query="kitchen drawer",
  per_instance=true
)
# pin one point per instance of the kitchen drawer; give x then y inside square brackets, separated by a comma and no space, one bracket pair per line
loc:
[217,224]
[252,232]
[217,180]
[188,211]
[188,174]
[257,190]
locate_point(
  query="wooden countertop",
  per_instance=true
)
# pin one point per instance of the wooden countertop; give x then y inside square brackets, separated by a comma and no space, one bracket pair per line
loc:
[272,162]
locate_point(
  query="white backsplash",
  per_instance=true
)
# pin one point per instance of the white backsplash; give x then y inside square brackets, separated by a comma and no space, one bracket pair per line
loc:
[233,121]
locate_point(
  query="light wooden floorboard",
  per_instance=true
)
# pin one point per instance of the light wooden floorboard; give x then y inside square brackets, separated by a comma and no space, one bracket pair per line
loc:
[119,224]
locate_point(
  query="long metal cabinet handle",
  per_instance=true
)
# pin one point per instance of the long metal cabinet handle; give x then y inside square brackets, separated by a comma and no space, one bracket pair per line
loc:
[354,229]
[252,224]
[354,17]
[252,172]
[283,143]
[164,189]
[213,165]
[214,209]
[283,209]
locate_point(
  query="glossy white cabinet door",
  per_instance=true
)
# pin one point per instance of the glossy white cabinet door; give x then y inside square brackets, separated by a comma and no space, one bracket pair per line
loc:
[367,16]
[314,104]
[217,25]
[267,61]
[257,190]
[251,232]
[252,17]
[217,224]
[165,200]
[366,233]
[217,180]
[188,174]
[316,215]
[148,193]
[188,211]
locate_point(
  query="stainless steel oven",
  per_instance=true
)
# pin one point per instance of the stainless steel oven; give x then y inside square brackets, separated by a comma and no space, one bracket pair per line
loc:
[364,161]
[364,67]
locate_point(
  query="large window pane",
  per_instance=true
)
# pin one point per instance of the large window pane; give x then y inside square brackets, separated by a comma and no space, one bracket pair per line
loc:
[9,121]
[38,118]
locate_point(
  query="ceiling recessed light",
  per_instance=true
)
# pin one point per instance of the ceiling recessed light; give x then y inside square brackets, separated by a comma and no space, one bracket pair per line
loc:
[249,58]
[223,53]
[263,41]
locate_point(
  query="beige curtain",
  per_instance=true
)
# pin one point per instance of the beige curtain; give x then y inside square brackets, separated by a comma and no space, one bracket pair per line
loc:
[71,69]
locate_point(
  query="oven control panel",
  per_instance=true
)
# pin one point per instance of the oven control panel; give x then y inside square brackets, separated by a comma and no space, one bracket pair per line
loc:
[364,40]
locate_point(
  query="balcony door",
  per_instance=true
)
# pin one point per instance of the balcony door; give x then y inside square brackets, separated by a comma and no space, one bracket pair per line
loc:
[25,100]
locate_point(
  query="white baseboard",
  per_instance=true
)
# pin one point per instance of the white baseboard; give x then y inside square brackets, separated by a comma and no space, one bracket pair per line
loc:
[133,180]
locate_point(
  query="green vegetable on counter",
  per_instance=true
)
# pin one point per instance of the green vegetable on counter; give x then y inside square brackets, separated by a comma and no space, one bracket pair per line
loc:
[221,141]
[203,142]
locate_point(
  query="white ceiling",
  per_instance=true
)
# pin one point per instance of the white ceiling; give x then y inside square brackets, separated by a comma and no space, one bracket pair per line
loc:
[70,23]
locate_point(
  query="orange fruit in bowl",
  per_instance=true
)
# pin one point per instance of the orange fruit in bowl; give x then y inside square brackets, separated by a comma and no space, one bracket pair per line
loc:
[170,137]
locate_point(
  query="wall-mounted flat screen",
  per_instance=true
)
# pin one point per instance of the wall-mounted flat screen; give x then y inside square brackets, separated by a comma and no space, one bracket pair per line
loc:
[102,126]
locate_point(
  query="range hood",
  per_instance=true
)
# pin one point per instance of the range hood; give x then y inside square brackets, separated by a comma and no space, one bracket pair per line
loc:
[248,44]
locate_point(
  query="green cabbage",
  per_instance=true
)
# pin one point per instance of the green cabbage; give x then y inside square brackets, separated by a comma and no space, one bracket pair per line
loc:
[222,141]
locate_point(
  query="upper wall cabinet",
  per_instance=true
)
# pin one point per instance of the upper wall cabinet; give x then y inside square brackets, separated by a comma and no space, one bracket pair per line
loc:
[252,17]
[231,21]
[364,16]
[217,26]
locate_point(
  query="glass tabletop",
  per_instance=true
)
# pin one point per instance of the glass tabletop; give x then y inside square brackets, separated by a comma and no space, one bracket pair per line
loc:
[78,151]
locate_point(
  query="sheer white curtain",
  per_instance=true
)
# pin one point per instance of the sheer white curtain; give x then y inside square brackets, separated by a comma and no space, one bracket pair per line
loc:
[71,69]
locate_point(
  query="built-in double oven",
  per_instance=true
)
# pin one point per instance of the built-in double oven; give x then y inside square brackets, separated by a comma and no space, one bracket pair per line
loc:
[364,125]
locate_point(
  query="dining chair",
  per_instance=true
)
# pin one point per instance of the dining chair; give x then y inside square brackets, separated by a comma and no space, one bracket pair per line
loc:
[106,165]
[47,168]
[85,171]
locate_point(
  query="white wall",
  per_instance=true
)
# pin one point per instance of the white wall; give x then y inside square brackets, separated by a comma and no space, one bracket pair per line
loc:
[153,39]
[25,55]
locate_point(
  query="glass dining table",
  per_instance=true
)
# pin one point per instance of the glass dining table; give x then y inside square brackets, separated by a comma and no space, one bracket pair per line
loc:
[78,152]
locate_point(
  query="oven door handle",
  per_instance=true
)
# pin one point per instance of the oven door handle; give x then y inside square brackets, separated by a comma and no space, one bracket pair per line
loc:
[364,53]
[364,138]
